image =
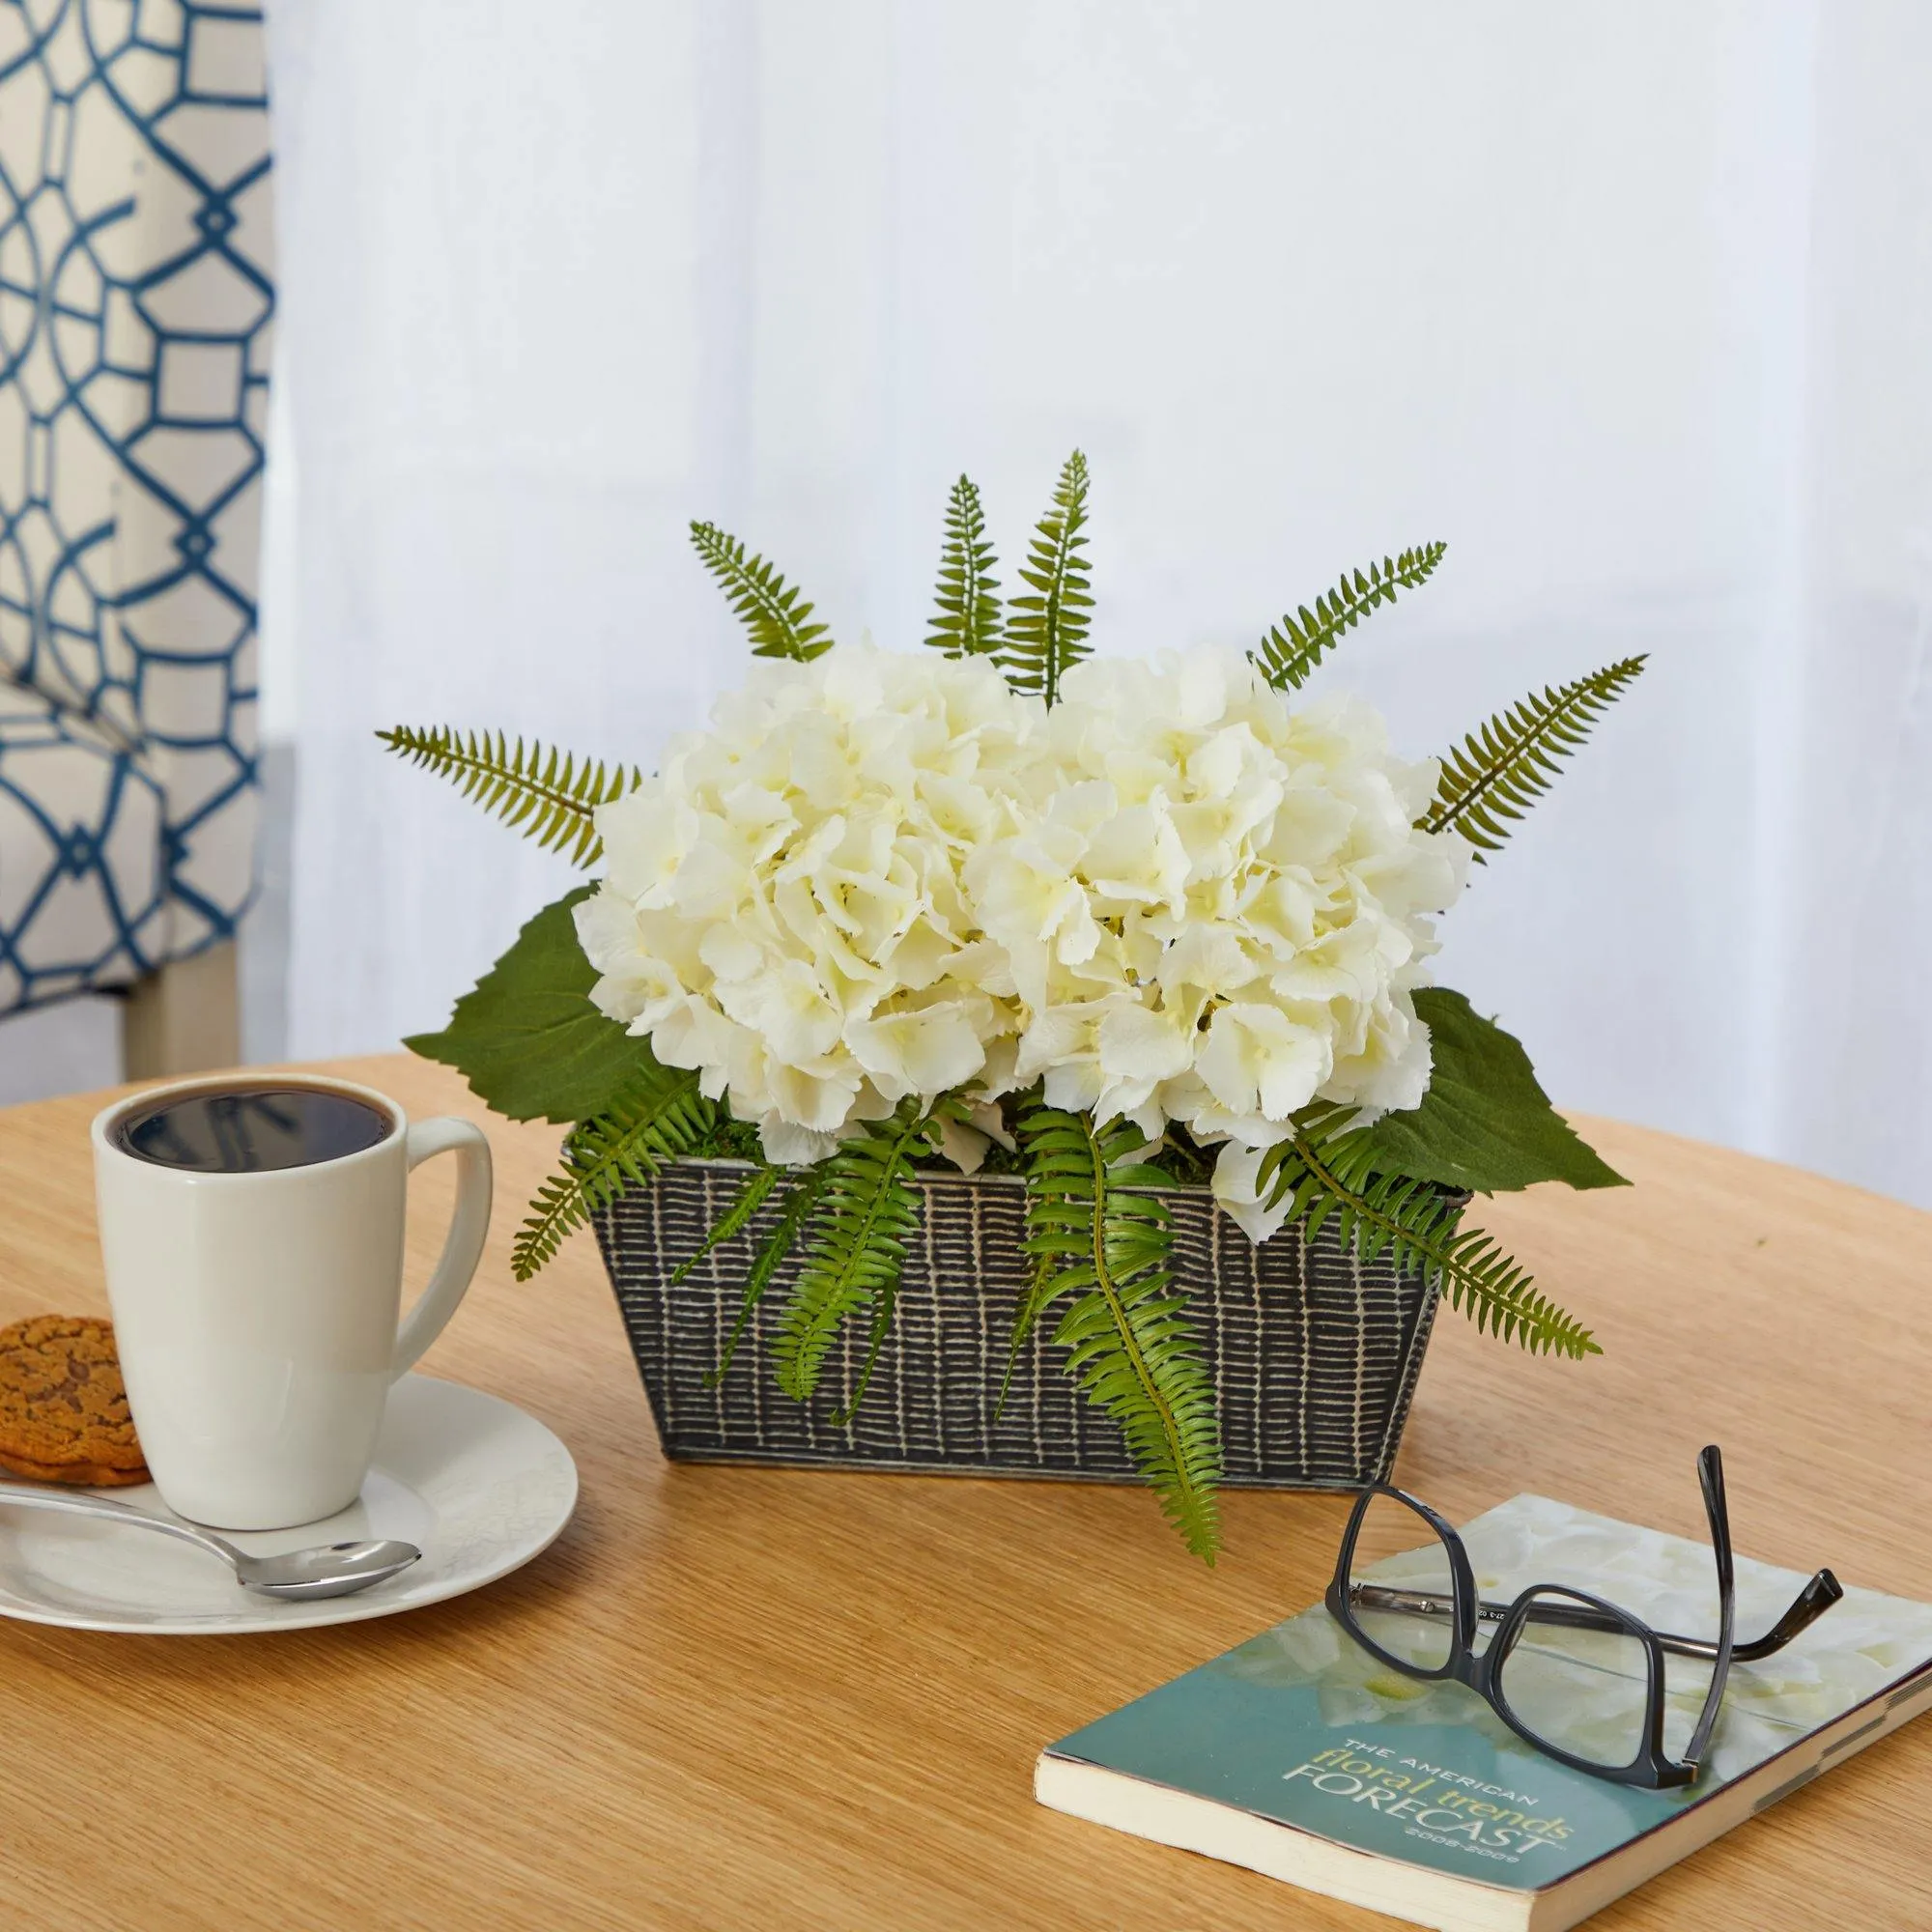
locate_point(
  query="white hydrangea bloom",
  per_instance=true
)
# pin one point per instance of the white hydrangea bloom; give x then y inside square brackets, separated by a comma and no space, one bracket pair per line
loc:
[783,908]
[1172,897]
[1236,906]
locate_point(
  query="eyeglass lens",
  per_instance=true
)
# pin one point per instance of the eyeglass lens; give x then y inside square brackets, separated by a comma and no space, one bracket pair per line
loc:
[1584,1692]
[1397,1550]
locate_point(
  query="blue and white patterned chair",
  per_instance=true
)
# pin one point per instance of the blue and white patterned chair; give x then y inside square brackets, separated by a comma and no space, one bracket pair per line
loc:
[136,252]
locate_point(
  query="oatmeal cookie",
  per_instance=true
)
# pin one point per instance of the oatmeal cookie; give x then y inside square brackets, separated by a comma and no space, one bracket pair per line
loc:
[62,1409]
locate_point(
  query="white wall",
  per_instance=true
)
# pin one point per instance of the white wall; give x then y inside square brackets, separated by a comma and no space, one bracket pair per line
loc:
[1629,305]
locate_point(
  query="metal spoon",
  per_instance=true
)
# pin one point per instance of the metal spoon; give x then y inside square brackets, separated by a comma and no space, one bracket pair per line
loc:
[329,1570]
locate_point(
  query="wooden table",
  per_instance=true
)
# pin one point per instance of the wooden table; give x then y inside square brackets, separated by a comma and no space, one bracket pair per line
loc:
[759,1698]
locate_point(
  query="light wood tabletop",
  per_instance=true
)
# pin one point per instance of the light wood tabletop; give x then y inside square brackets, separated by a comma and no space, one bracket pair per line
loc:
[734,1697]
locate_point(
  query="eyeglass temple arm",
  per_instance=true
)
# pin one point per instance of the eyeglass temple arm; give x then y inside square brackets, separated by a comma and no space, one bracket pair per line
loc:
[1711,1474]
[1807,1608]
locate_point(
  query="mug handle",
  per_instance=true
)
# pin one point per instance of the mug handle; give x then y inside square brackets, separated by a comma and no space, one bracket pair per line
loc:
[467,1227]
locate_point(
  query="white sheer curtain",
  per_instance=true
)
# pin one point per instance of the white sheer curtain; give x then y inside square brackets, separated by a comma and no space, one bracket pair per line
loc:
[1630,304]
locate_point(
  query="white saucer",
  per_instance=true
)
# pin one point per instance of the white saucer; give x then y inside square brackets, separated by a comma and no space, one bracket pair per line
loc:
[478,1486]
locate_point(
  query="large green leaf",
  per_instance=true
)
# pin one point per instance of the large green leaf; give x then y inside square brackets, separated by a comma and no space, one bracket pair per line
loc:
[527,1039]
[1485,1123]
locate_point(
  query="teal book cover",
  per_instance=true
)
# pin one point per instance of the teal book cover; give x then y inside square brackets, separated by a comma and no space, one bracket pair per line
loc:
[1302,1729]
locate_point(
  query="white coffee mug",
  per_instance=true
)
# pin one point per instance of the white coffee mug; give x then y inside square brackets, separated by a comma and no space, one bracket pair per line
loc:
[256,1314]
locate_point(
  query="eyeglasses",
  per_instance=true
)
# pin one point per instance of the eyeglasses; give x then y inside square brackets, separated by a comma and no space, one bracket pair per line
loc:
[1570,1673]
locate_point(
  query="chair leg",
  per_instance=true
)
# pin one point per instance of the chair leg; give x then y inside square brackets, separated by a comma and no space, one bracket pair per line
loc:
[186,1018]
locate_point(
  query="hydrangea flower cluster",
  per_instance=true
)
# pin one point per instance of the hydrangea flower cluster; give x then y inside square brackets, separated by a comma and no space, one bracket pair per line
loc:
[1170,899]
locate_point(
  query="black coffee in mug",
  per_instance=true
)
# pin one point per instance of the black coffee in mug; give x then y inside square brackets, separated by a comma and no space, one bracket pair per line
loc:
[255,1128]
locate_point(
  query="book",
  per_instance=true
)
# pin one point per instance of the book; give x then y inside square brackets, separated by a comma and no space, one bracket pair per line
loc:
[1301,1755]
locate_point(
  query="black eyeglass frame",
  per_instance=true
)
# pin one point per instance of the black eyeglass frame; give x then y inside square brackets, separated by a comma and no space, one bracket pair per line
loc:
[1482,1672]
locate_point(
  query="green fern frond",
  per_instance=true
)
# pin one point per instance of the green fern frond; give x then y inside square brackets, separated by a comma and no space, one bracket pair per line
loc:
[801,1198]
[1034,1303]
[548,795]
[1292,651]
[749,1198]
[968,619]
[1047,628]
[866,1212]
[1323,1172]
[774,612]
[1500,772]
[656,1121]
[1103,1245]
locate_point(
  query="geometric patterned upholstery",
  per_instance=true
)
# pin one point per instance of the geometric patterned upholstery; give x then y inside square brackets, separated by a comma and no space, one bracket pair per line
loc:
[136,298]
[82,888]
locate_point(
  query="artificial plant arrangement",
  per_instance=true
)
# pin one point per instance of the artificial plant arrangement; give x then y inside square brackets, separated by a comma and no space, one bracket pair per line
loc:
[1115,925]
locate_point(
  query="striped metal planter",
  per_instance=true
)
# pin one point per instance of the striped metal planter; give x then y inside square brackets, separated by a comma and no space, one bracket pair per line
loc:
[1314,1354]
